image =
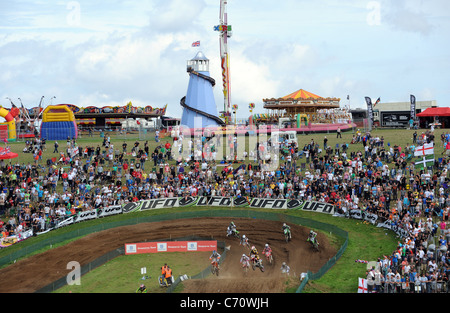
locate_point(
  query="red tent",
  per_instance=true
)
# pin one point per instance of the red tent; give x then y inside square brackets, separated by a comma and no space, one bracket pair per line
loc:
[7,154]
[430,112]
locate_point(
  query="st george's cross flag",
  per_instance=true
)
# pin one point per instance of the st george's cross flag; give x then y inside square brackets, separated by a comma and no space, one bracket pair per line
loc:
[426,149]
[427,160]
[362,285]
[427,153]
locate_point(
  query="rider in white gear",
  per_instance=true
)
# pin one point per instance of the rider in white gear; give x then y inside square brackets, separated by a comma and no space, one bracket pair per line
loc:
[231,229]
[285,268]
[245,260]
[244,240]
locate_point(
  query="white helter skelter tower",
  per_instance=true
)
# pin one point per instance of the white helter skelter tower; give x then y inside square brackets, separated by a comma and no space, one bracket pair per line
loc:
[225,32]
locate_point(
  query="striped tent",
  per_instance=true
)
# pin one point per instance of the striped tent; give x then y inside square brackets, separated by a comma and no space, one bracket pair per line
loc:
[301,94]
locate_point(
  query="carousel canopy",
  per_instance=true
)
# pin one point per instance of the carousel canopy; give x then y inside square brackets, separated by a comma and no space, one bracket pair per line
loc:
[301,101]
[301,94]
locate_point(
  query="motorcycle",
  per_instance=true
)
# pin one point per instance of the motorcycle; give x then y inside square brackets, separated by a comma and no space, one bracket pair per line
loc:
[257,263]
[246,266]
[314,243]
[163,281]
[245,243]
[215,268]
[269,256]
[287,234]
[235,233]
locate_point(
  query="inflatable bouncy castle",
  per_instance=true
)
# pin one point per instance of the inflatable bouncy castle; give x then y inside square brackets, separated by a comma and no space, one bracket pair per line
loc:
[8,129]
[58,123]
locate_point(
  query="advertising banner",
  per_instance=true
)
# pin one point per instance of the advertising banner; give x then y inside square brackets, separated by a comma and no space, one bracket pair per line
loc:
[315,206]
[215,201]
[369,109]
[413,106]
[170,246]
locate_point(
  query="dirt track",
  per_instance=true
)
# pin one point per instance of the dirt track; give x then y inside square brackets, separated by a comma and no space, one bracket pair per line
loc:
[35,272]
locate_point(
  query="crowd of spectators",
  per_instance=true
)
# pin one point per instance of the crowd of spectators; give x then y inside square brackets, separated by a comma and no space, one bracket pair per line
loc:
[375,177]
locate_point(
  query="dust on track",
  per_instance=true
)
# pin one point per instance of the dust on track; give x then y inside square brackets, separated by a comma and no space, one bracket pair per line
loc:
[35,272]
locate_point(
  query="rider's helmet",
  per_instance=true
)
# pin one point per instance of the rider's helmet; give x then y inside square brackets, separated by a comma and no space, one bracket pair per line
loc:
[142,286]
[284,224]
[243,236]
[243,255]
[284,264]
[311,232]
[214,252]
[267,245]
[253,247]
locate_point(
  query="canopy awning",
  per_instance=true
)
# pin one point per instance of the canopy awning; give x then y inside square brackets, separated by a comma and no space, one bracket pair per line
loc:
[429,112]
[301,94]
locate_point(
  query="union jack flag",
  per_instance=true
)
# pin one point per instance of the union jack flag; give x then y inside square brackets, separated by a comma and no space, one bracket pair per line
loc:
[196,43]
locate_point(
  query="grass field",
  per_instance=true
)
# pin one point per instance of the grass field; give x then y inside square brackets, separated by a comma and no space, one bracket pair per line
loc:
[366,242]
[401,137]
[123,274]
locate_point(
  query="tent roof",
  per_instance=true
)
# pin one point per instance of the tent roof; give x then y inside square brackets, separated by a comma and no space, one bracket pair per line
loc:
[301,94]
[435,112]
[7,154]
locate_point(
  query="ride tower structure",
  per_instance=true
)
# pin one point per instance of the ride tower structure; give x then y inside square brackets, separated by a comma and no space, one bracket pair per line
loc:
[225,32]
[199,106]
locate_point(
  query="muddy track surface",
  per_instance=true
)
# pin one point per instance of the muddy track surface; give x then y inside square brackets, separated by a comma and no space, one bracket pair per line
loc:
[33,273]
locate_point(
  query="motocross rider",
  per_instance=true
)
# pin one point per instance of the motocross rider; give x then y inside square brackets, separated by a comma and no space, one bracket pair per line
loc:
[253,253]
[285,268]
[245,260]
[215,256]
[142,289]
[244,240]
[312,236]
[267,249]
[285,226]
[231,229]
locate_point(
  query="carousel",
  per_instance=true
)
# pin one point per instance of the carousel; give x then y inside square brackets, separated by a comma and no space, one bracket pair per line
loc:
[302,109]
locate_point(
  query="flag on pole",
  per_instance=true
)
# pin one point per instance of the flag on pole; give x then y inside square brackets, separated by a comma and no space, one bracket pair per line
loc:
[413,106]
[376,102]
[362,285]
[426,149]
[196,43]
[369,108]
[427,160]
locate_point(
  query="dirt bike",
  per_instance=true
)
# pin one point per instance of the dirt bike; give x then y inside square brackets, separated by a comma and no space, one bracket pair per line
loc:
[257,263]
[246,266]
[269,256]
[235,233]
[287,234]
[215,268]
[314,243]
[163,281]
[246,244]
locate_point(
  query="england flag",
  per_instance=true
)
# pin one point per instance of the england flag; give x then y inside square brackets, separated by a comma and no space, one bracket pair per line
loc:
[426,149]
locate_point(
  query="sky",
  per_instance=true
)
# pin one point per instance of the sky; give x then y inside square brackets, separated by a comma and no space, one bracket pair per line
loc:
[98,53]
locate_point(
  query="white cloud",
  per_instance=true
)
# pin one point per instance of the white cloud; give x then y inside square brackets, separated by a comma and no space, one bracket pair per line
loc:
[408,16]
[136,51]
